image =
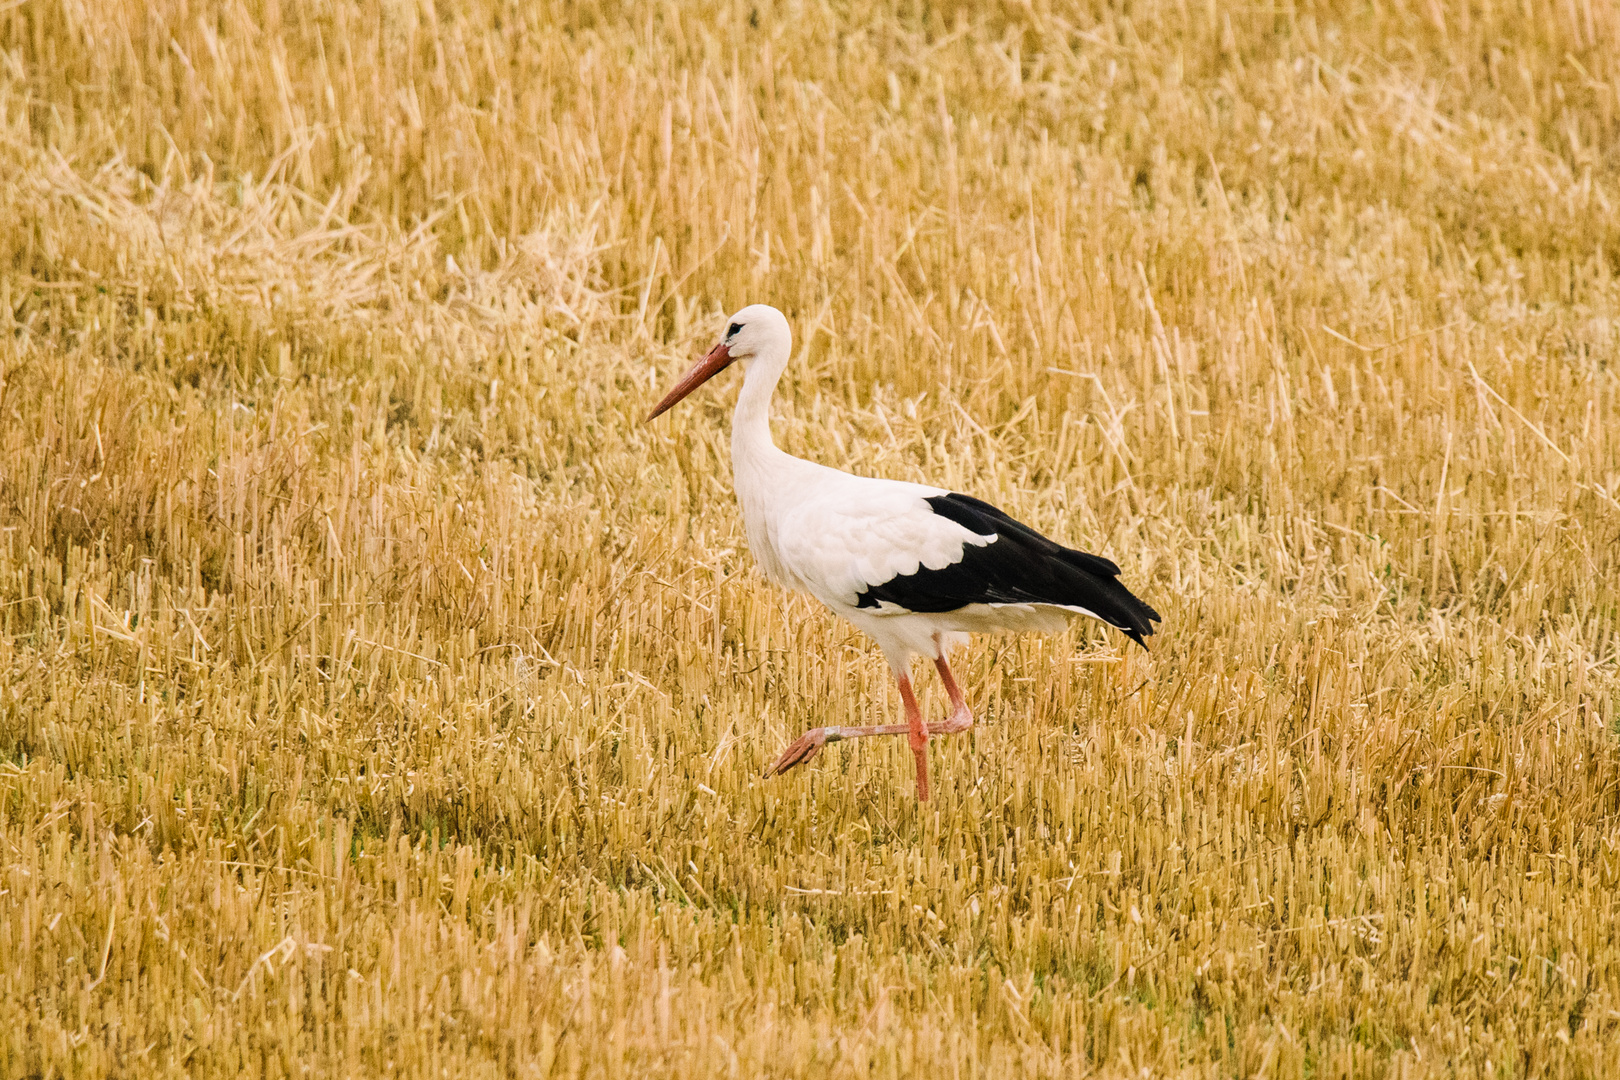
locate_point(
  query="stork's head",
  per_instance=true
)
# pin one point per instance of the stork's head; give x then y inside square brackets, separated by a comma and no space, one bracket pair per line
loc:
[757,332]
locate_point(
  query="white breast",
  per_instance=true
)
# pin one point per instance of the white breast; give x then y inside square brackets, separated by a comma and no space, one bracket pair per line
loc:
[833,535]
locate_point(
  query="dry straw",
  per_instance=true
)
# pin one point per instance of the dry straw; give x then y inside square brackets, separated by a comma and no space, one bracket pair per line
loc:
[377,697]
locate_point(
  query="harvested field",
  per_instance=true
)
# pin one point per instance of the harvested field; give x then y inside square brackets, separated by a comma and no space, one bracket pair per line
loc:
[380,697]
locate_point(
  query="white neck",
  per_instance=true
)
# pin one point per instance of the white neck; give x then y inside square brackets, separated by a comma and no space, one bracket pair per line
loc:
[767,481]
[752,449]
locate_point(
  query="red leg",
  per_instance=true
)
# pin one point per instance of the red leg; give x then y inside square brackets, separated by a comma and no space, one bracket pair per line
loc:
[810,743]
[961,717]
[918,736]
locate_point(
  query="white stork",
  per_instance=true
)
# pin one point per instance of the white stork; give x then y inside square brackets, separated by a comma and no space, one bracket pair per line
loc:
[916,567]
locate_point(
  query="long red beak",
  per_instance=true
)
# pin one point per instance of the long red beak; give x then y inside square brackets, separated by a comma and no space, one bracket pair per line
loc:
[704,370]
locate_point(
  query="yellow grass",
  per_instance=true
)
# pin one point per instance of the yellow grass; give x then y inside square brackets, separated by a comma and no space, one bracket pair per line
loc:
[379,697]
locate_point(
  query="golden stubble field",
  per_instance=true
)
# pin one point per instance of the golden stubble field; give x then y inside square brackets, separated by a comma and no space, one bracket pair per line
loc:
[379,697]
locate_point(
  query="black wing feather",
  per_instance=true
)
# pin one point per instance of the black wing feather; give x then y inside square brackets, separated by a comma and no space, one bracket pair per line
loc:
[1019,567]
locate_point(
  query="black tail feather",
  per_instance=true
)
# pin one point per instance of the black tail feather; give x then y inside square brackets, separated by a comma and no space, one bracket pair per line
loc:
[1024,567]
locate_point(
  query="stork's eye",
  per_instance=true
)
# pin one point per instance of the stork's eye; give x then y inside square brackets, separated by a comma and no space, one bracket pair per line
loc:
[736,328]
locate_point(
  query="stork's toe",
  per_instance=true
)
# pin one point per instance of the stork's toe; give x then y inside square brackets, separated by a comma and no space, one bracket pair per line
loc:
[806,747]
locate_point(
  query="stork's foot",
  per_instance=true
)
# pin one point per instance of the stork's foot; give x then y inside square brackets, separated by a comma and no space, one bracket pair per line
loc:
[803,749]
[961,719]
[810,743]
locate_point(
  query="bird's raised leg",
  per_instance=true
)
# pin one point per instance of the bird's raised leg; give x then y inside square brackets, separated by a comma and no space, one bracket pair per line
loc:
[810,743]
[961,717]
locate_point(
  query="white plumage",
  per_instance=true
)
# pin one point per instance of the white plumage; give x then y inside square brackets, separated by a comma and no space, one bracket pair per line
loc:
[915,567]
